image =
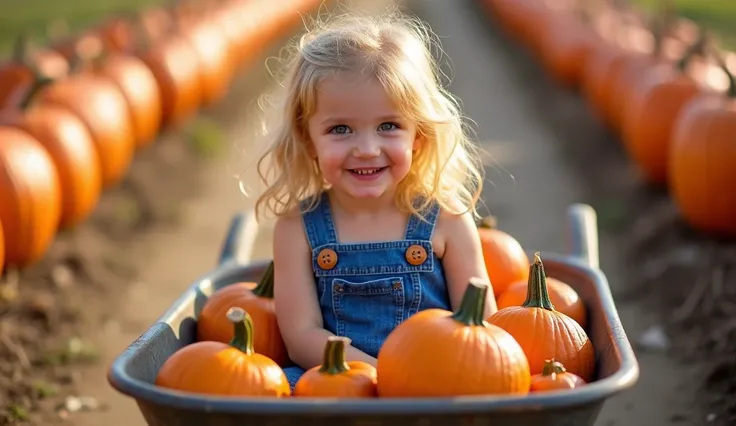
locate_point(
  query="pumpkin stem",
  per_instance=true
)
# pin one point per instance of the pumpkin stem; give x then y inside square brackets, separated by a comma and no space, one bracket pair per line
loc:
[334,361]
[537,295]
[698,48]
[243,325]
[488,222]
[40,80]
[473,305]
[265,285]
[731,78]
[552,367]
[21,47]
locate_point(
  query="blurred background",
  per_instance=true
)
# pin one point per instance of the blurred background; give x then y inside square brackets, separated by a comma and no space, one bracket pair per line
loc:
[129,136]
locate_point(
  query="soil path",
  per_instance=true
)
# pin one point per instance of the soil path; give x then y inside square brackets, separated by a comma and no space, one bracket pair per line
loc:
[532,184]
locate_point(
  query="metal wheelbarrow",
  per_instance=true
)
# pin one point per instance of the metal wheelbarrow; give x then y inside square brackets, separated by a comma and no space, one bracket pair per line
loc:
[134,371]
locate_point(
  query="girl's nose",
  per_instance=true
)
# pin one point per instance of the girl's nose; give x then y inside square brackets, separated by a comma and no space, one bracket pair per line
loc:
[367,146]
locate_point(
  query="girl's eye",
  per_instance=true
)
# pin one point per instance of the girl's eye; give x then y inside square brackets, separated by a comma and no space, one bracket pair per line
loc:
[340,129]
[387,127]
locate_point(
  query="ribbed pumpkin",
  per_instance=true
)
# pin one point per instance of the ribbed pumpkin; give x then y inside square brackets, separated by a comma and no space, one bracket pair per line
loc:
[563,297]
[702,162]
[175,65]
[440,353]
[670,40]
[554,377]
[69,144]
[652,111]
[217,368]
[137,84]
[216,65]
[30,197]
[336,377]
[567,47]
[100,105]
[257,300]
[544,333]
[506,261]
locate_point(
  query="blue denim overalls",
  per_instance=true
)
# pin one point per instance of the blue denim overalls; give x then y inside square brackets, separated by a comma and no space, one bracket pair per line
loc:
[366,289]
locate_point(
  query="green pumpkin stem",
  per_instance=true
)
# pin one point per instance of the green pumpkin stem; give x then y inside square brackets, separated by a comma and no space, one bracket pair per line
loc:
[731,78]
[553,367]
[334,361]
[21,48]
[472,307]
[265,285]
[243,327]
[698,48]
[537,295]
[488,222]
[40,80]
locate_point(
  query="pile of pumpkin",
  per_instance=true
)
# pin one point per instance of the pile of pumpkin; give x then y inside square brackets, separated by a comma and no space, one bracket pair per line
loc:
[659,82]
[73,112]
[535,342]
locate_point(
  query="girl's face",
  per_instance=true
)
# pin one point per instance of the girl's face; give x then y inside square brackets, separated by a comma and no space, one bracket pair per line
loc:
[362,143]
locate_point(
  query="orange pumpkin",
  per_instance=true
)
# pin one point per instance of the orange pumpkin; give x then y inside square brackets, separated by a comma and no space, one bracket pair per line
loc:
[701,161]
[563,297]
[98,102]
[30,197]
[544,333]
[553,377]
[175,65]
[137,84]
[69,144]
[506,261]
[16,74]
[216,65]
[670,40]
[257,299]
[440,353]
[651,114]
[217,368]
[337,377]
[566,49]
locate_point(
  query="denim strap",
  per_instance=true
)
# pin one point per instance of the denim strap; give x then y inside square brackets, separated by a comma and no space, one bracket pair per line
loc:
[318,223]
[418,229]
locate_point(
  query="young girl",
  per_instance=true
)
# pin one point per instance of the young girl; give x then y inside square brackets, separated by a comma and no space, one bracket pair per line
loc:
[374,185]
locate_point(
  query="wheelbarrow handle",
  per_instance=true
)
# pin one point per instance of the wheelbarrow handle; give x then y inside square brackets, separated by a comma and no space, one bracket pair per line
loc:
[583,234]
[240,238]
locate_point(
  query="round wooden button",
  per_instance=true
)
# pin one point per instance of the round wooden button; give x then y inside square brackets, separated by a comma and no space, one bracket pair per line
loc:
[327,259]
[416,255]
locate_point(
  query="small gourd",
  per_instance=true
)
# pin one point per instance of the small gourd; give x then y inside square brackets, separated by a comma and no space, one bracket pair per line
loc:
[337,377]
[553,377]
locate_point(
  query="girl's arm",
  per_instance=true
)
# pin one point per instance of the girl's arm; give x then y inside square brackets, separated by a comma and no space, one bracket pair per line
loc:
[463,257]
[295,296]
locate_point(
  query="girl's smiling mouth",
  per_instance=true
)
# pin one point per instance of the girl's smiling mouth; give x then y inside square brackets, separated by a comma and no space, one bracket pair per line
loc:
[367,173]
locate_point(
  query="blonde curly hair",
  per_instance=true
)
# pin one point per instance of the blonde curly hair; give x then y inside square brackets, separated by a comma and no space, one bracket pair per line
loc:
[396,50]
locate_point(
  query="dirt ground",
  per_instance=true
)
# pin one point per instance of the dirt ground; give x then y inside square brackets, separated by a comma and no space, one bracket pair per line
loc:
[63,321]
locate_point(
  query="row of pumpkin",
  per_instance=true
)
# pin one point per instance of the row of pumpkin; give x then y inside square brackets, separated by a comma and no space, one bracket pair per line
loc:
[661,83]
[536,341]
[74,111]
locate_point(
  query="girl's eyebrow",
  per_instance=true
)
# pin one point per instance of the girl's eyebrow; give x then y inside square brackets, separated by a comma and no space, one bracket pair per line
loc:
[333,120]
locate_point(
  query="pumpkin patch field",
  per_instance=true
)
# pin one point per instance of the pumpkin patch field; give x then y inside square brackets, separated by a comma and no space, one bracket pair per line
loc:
[129,133]
[658,80]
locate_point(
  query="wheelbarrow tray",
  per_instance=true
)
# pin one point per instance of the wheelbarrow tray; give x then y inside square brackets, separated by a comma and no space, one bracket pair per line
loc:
[134,371]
